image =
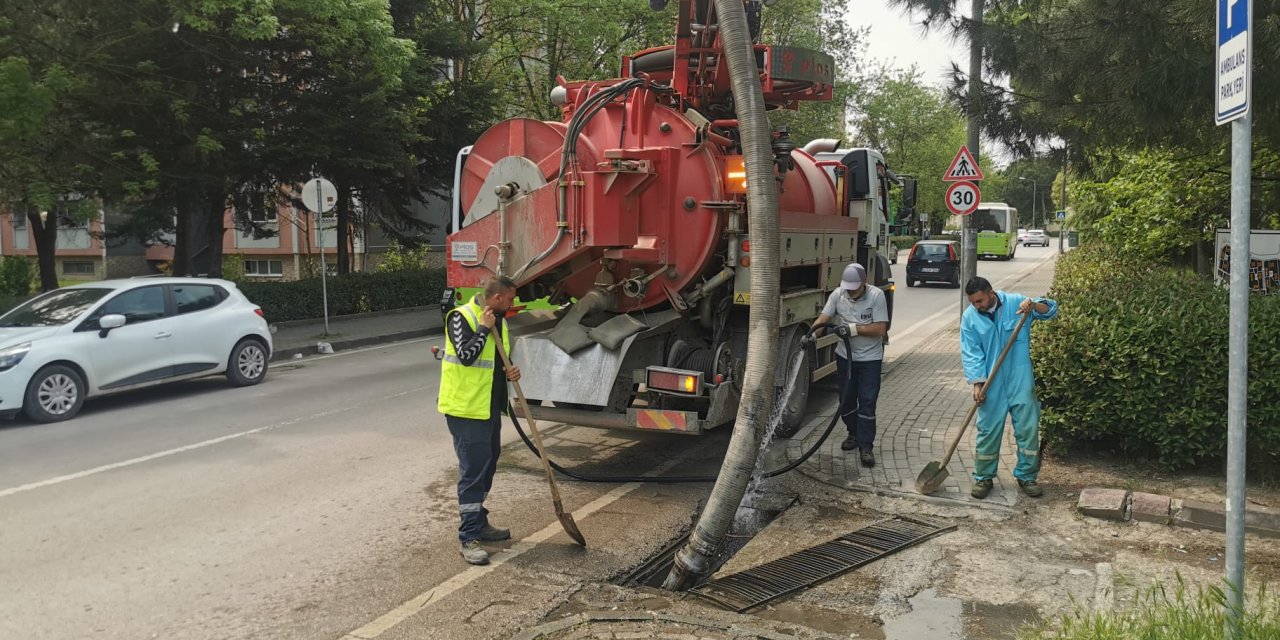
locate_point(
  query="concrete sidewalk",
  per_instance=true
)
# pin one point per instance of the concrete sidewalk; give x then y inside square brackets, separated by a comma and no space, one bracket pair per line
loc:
[923,402]
[353,332]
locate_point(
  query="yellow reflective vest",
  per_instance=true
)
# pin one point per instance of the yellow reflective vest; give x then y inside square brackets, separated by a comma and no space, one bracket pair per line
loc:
[467,391]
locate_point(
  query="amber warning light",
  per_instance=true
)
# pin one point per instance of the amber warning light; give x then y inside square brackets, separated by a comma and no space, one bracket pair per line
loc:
[675,380]
[735,174]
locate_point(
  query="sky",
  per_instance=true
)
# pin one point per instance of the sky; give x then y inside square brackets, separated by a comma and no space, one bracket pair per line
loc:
[896,36]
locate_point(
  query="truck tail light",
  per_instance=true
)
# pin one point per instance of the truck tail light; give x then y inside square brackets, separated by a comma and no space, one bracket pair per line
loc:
[674,380]
[735,174]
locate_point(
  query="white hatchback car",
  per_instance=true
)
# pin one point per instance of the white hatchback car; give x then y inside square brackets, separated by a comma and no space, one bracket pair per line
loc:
[96,338]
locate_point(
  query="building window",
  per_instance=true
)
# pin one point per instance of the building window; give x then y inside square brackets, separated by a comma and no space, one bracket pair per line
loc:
[70,268]
[256,206]
[264,268]
[19,221]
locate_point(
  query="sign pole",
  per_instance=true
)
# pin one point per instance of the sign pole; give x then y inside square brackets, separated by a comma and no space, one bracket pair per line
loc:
[1232,95]
[969,235]
[324,281]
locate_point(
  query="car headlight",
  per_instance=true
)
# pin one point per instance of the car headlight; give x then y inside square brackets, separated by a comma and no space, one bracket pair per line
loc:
[9,358]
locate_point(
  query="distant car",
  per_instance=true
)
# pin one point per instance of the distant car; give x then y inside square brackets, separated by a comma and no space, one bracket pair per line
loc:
[96,338]
[1022,235]
[1036,237]
[934,261]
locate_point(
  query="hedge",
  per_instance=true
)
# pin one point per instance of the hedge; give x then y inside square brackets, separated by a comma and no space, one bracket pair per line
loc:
[904,242]
[348,294]
[1137,361]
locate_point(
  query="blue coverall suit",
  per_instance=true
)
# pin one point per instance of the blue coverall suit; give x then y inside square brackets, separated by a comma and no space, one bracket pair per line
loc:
[1012,392]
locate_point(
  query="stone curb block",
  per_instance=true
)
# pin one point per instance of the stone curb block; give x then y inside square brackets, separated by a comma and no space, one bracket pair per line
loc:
[1149,507]
[1195,514]
[343,345]
[1108,504]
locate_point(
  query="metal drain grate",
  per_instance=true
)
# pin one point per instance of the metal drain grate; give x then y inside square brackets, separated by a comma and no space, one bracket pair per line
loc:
[782,577]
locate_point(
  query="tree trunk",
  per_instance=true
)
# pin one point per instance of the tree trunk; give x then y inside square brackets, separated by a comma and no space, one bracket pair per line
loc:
[344,228]
[694,561]
[216,232]
[46,237]
[181,263]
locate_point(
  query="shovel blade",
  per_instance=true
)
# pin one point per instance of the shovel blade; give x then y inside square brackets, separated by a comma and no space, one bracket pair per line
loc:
[570,527]
[931,478]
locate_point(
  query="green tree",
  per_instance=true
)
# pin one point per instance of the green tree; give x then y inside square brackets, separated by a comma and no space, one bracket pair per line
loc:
[916,129]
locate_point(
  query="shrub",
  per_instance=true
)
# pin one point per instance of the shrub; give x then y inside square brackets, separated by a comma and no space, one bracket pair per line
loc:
[401,258]
[904,242]
[348,294]
[1137,360]
[17,274]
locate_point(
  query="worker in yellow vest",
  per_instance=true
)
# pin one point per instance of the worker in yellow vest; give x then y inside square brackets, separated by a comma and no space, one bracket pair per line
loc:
[473,395]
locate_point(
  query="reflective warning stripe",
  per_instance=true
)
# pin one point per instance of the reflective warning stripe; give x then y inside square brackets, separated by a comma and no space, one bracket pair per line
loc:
[479,364]
[471,507]
[659,420]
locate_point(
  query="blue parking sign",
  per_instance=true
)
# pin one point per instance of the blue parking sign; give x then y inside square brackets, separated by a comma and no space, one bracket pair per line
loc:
[1232,90]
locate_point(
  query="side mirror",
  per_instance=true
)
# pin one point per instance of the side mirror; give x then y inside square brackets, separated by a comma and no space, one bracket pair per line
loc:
[109,322]
[908,193]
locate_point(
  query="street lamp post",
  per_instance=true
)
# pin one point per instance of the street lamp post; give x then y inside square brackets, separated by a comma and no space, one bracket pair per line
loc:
[1035,189]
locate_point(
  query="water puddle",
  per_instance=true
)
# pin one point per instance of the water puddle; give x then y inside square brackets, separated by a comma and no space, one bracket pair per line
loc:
[931,616]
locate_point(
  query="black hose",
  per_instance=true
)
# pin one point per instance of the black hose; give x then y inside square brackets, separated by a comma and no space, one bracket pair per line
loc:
[695,479]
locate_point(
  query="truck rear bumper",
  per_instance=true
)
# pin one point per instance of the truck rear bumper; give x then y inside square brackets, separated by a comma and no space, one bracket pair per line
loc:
[638,419]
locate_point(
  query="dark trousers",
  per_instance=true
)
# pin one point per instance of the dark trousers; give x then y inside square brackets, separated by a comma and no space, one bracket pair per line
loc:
[477,443]
[859,389]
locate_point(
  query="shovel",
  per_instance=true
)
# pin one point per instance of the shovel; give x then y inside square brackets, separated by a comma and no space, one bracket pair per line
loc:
[935,473]
[566,519]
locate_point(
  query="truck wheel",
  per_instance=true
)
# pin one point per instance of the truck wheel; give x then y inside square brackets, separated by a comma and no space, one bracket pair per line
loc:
[792,414]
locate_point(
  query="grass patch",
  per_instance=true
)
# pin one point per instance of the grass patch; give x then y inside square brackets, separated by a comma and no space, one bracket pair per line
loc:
[1159,614]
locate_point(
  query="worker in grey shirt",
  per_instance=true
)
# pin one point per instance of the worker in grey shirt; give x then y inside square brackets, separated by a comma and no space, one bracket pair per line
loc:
[861,308]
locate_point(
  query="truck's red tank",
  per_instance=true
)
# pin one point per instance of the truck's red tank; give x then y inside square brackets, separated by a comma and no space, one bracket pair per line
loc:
[645,195]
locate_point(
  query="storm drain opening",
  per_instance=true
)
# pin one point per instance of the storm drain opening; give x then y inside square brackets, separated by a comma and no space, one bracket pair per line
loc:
[755,513]
[749,589]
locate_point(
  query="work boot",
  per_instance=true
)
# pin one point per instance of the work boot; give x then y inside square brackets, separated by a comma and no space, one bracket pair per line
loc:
[981,489]
[473,554]
[1030,488]
[849,444]
[867,457]
[491,533]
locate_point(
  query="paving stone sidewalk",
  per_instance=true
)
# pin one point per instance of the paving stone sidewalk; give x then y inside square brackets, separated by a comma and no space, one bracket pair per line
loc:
[923,401]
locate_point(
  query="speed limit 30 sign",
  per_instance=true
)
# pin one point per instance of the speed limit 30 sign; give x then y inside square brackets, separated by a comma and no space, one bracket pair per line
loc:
[963,198]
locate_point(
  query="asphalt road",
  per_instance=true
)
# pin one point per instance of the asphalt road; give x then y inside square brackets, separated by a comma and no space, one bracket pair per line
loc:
[320,504]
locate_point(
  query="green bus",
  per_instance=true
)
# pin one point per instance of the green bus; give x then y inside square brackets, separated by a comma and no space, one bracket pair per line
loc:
[997,226]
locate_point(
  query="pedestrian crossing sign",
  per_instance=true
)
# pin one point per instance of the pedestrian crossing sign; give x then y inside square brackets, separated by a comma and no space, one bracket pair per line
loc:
[963,168]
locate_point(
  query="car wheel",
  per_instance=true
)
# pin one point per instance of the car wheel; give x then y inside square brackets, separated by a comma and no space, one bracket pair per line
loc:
[910,282]
[248,363]
[54,394]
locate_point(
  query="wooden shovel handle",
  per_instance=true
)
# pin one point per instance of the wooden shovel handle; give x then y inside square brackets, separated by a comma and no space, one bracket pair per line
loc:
[951,448]
[533,425]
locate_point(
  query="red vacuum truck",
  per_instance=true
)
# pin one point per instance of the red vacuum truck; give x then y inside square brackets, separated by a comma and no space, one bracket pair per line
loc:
[630,213]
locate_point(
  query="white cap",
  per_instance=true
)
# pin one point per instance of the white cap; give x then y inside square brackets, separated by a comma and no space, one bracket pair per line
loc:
[854,276]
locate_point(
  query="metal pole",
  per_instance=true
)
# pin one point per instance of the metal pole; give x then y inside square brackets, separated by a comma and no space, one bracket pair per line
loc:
[969,236]
[324,280]
[1062,226]
[1238,356]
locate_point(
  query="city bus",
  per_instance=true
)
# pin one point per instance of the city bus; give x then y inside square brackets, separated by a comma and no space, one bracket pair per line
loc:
[997,226]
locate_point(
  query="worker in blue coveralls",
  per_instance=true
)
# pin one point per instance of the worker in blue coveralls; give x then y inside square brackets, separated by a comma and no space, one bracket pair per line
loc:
[985,328]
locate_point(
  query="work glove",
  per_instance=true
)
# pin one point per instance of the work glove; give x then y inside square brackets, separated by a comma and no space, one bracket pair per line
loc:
[807,339]
[842,330]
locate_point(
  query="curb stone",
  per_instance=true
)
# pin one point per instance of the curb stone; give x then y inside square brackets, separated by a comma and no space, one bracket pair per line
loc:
[344,345]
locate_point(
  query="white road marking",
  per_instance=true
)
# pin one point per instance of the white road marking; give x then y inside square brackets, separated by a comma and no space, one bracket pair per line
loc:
[175,451]
[420,602]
